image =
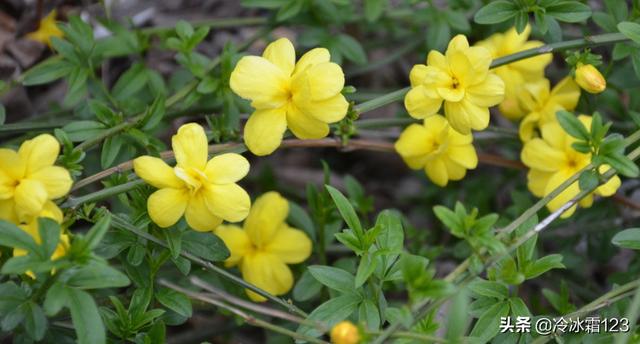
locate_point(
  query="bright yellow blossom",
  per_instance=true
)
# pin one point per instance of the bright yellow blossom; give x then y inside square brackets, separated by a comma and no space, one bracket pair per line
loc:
[552,161]
[434,146]
[51,211]
[265,245]
[517,73]
[590,79]
[47,28]
[205,192]
[541,104]
[345,332]
[29,180]
[462,80]
[303,96]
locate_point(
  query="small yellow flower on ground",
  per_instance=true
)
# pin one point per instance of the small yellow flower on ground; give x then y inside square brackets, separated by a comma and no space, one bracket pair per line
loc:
[47,28]
[29,180]
[205,192]
[345,332]
[265,245]
[434,146]
[517,73]
[552,161]
[541,104]
[303,96]
[462,80]
[590,79]
[49,211]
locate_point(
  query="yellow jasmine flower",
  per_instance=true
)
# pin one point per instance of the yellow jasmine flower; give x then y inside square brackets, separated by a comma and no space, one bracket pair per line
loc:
[552,161]
[590,79]
[49,211]
[434,146]
[345,332]
[265,245]
[303,96]
[205,192]
[517,73]
[29,180]
[541,104]
[462,80]
[47,28]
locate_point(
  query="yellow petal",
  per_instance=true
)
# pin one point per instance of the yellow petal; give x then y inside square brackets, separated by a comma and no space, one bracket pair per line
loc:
[6,185]
[56,180]
[227,168]
[419,105]
[282,54]
[39,152]
[267,215]
[566,94]
[436,59]
[30,196]
[236,241]
[480,59]
[51,210]
[528,125]
[190,146]
[304,126]
[264,129]
[257,79]
[451,94]
[566,195]
[325,80]
[329,110]
[456,44]
[291,245]
[464,116]
[8,210]
[227,201]
[437,172]
[413,145]
[311,58]
[464,156]
[47,29]
[611,186]
[537,181]
[267,272]
[454,170]
[11,163]
[538,154]
[490,92]
[166,206]
[198,215]
[156,172]
[418,74]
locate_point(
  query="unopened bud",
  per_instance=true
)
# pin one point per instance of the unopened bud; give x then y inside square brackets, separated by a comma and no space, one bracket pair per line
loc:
[590,79]
[345,332]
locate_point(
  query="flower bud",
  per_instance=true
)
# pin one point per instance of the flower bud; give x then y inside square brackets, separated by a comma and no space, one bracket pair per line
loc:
[590,79]
[345,332]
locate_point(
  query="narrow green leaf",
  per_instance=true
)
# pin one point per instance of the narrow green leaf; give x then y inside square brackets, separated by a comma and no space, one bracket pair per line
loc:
[569,11]
[369,314]
[334,278]
[35,322]
[47,71]
[572,125]
[351,49]
[489,289]
[175,301]
[628,238]
[85,317]
[488,325]
[622,164]
[496,12]
[12,236]
[373,9]
[346,210]
[332,312]
[544,264]
[97,275]
[110,150]
[205,245]
[630,30]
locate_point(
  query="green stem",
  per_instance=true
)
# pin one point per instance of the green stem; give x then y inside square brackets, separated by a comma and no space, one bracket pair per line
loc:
[73,202]
[215,23]
[632,315]
[31,126]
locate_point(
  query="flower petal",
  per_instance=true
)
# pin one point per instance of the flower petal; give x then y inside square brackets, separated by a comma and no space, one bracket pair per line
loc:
[166,206]
[6,185]
[30,196]
[537,181]
[538,154]
[264,130]
[227,201]
[490,92]
[282,54]
[39,152]
[305,126]
[566,94]
[56,180]
[566,195]
[8,210]
[291,245]
[329,110]
[227,168]
[267,215]
[464,156]
[418,74]
[236,240]
[311,58]
[156,172]
[325,80]
[437,172]
[454,170]
[611,186]
[464,116]
[267,272]
[198,215]
[190,146]
[436,59]
[419,105]
[11,163]
[413,145]
[257,79]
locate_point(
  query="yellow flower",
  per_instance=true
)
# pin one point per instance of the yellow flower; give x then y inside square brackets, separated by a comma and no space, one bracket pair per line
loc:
[590,79]
[205,192]
[49,211]
[552,161]
[303,96]
[442,152]
[461,78]
[517,73]
[345,332]
[47,28]
[541,104]
[265,245]
[29,180]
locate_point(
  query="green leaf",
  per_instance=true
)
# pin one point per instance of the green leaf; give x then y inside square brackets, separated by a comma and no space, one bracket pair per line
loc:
[628,238]
[97,275]
[154,114]
[544,264]
[349,239]
[175,301]
[35,322]
[351,49]
[299,218]
[110,150]
[457,20]
[205,245]
[289,10]
[622,164]
[130,82]
[307,287]
[489,289]
[55,299]
[334,278]
[97,231]
[368,313]
[373,9]
[391,236]
[449,219]
[524,252]
[569,11]
[630,30]
[488,325]
[367,266]
[83,130]
[588,180]
[173,236]
[332,312]
[572,125]
[496,12]
[49,231]
[184,29]
[85,317]
[519,308]
[12,236]
[3,114]
[346,210]
[11,296]
[49,70]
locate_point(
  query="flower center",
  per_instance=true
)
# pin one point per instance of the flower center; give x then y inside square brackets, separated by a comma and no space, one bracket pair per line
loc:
[455,83]
[193,177]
